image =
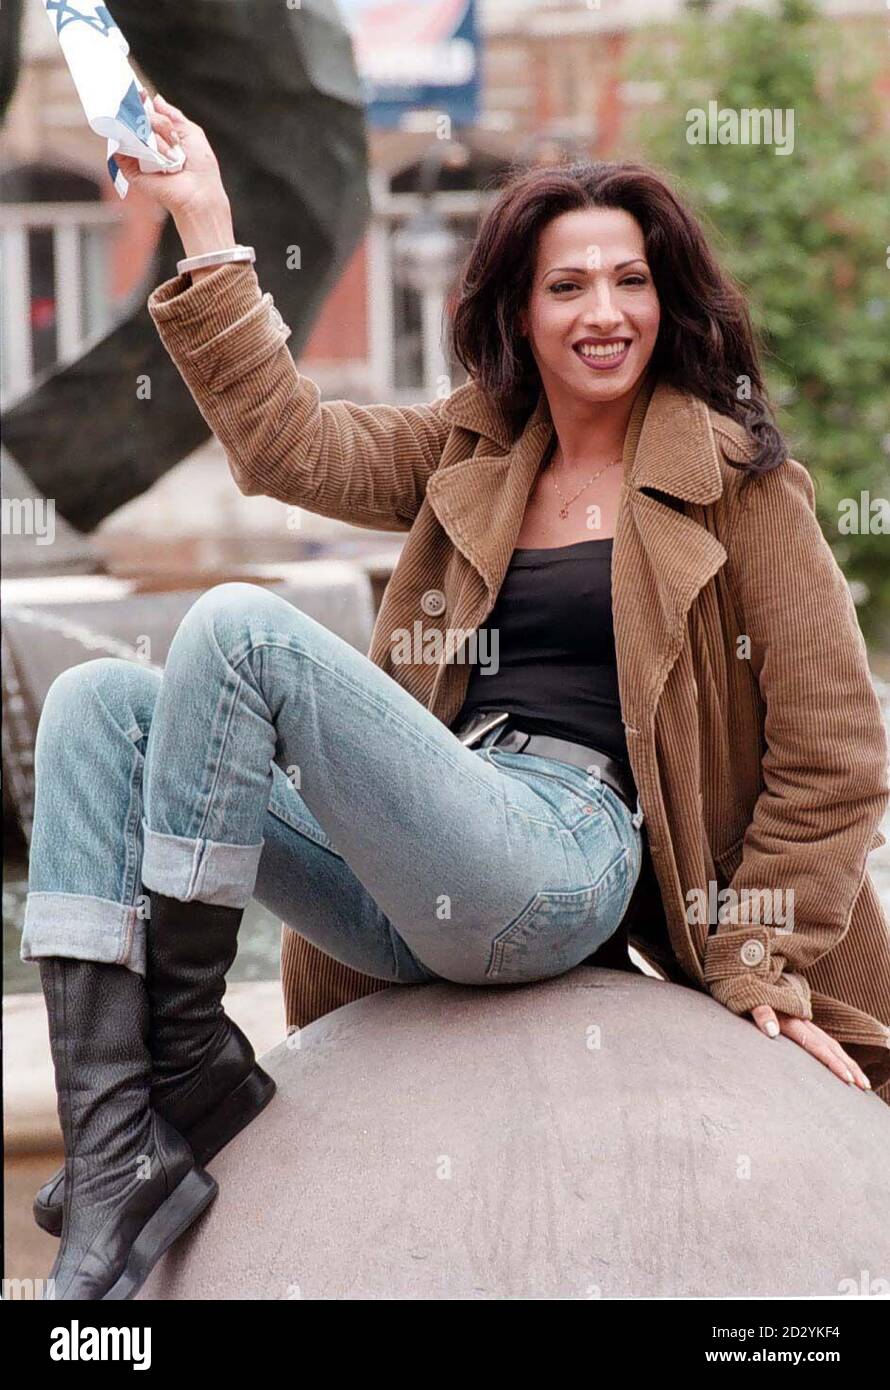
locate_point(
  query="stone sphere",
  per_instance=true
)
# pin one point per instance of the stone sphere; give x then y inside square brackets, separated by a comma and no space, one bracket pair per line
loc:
[601,1135]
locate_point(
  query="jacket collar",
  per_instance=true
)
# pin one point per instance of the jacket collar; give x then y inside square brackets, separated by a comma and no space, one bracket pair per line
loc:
[670,446]
[670,443]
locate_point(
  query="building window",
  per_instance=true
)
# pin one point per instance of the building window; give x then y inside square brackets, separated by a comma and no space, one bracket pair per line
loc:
[55,298]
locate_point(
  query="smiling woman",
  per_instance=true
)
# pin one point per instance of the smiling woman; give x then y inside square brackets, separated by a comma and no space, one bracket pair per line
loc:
[401,832]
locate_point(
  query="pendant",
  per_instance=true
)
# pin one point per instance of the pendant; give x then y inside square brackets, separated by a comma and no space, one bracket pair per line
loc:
[563,512]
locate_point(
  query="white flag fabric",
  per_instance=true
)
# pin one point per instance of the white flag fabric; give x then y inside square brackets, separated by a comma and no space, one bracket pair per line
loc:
[113,99]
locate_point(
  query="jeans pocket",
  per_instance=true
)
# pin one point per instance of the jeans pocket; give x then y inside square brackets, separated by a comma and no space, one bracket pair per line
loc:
[559,929]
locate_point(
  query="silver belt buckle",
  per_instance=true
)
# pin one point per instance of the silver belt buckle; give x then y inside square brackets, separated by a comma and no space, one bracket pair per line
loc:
[490,722]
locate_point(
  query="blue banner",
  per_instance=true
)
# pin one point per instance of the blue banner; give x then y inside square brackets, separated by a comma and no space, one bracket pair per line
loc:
[415,54]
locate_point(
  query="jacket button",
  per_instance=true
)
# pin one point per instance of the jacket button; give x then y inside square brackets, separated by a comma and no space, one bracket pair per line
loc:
[752,952]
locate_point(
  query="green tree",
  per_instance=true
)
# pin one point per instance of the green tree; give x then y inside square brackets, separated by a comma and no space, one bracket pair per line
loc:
[804,233]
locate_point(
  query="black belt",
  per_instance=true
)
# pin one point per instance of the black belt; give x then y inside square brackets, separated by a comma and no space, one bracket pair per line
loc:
[614,773]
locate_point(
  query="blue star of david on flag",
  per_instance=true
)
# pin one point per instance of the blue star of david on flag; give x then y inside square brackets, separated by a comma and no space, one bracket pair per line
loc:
[62,13]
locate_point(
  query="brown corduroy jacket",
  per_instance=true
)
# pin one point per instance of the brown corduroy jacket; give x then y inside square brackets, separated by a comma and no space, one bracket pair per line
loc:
[753,729]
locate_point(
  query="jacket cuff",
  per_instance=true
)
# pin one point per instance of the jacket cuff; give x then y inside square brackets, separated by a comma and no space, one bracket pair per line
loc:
[222,325]
[742,970]
[215,301]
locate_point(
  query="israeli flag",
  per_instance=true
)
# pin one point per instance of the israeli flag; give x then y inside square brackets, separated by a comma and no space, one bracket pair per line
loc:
[113,99]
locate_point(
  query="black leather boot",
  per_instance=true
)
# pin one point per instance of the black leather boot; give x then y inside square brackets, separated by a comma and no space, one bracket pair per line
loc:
[131,1182]
[204,1068]
[205,1080]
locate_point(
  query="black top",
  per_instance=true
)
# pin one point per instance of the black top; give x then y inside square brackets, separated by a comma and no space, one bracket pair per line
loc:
[547,652]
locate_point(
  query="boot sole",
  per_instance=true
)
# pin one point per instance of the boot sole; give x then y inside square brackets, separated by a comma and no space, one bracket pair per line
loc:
[206,1139]
[240,1106]
[174,1216]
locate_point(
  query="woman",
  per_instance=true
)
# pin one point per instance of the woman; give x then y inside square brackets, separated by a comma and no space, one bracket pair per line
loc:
[468,803]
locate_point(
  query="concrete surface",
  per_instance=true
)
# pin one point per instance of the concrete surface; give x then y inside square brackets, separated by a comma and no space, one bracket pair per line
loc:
[599,1135]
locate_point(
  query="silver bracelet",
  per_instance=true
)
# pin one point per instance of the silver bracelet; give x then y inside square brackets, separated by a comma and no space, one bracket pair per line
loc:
[232,253]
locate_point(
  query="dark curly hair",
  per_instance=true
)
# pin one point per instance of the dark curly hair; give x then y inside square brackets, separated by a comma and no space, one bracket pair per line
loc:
[705,340]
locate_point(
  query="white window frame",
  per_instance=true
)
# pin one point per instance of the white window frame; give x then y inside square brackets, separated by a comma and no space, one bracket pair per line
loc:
[74,292]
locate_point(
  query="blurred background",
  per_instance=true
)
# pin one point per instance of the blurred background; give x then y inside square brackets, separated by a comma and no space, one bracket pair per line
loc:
[361,142]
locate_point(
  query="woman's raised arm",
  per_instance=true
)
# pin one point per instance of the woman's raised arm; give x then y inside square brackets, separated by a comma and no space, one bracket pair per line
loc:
[367,465]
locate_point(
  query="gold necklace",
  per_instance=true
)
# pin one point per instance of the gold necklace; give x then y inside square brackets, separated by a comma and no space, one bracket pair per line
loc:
[567,502]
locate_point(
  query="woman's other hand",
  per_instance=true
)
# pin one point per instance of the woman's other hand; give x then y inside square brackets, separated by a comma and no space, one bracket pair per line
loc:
[812,1039]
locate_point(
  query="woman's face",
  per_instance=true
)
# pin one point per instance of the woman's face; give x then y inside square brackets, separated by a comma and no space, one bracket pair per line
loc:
[592,316]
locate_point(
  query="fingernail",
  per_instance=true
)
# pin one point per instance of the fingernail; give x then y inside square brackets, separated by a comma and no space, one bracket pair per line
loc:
[867,1084]
[773,1028]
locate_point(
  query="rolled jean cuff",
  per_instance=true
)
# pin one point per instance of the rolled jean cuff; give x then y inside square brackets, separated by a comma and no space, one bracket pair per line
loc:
[72,924]
[201,870]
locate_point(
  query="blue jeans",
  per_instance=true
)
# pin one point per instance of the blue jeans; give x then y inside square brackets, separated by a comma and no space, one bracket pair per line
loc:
[272,760]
